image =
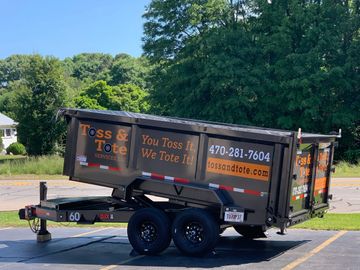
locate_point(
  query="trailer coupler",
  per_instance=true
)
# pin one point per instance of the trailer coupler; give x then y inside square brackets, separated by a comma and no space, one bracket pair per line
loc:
[36,224]
[28,213]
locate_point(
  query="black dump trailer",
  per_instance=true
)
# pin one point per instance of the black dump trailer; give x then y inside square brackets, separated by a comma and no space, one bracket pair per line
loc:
[212,176]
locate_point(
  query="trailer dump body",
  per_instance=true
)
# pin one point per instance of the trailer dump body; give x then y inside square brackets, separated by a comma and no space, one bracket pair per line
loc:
[230,175]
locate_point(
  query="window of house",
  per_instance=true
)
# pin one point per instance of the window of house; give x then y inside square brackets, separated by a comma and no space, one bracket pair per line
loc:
[7,132]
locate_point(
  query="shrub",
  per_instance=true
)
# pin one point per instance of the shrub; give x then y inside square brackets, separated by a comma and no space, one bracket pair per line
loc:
[16,148]
[1,144]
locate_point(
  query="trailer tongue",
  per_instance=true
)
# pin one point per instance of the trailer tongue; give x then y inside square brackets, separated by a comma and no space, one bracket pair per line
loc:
[212,176]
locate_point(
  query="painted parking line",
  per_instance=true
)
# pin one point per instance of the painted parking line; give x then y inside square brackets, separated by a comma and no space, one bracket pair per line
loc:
[109,267]
[316,250]
[91,232]
[345,185]
[7,228]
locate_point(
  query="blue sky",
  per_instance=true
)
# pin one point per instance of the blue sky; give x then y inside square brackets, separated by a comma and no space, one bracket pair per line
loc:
[63,28]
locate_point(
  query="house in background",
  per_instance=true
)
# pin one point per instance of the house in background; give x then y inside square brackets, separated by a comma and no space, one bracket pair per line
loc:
[7,130]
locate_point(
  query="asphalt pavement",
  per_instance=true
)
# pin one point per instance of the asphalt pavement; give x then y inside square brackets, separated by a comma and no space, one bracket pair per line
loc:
[15,194]
[108,248]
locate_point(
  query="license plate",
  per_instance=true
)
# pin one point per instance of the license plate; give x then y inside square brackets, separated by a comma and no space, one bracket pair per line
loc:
[234,216]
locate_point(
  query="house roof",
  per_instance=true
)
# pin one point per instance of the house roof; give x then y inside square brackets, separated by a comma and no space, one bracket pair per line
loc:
[6,121]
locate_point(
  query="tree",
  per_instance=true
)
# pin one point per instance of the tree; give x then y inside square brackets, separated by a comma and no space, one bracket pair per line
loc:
[37,100]
[306,47]
[288,64]
[204,57]
[129,70]
[13,68]
[99,95]
[89,66]
[207,83]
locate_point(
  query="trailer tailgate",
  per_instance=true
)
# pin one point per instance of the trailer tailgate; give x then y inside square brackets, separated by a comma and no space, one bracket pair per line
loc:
[311,179]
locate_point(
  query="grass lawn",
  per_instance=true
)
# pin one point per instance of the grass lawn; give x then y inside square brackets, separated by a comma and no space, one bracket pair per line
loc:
[344,169]
[11,219]
[34,177]
[329,222]
[9,157]
[43,165]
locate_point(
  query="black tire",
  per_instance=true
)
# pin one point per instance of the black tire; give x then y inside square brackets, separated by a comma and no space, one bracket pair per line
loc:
[195,232]
[251,232]
[149,231]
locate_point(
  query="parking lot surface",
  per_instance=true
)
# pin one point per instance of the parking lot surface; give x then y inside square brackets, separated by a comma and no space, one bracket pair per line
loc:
[108,248]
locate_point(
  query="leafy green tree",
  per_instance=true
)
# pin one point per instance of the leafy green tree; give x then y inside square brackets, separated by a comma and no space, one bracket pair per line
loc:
[306,46]
[129,70]
[210,84]
[13,69]
[288,64]
[89,66]
[37,101]
[170,24]
[7,98]
[204,56]
[100,95]
[129,97]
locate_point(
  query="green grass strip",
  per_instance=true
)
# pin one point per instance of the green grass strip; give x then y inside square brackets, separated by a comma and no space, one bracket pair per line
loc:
[344,169]
[334,222]
[45,165]
[11,219]
[350,222]
[9,157]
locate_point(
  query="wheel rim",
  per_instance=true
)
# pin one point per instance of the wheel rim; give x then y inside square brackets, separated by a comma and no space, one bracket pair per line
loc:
[194,232]
[147,232]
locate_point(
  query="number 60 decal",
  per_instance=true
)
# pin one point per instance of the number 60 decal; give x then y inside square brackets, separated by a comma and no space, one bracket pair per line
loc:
[74,216]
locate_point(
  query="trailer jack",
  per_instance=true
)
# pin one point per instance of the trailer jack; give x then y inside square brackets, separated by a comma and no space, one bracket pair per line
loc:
[43,235]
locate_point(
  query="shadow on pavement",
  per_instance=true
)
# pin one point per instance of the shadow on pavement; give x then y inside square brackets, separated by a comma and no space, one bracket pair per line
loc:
[113,250]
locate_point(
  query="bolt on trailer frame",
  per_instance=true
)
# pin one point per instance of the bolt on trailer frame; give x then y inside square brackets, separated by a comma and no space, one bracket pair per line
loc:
[246,177]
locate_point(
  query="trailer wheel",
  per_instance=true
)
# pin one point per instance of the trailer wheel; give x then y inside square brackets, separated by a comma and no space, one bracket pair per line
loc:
[195,232]
[149,231]
[251,232]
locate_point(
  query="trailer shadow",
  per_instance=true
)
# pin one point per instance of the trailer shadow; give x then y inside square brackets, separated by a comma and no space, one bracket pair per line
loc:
[114,250]
[229,251]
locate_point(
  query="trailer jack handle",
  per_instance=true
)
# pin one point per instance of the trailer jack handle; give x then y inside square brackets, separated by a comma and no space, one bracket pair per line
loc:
[43,235]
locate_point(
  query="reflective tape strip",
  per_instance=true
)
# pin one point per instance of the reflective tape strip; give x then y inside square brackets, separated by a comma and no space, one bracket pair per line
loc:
[214,185]
[252,192]
[165,177]
[146,174]
[181,180]
[170,178]
[241,190]
[96,165]
[228,188]
[114,169]
[320,191]
[300,196]
[211,185]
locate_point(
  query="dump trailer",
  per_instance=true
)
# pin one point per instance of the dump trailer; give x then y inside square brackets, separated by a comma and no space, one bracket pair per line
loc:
[210,176]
